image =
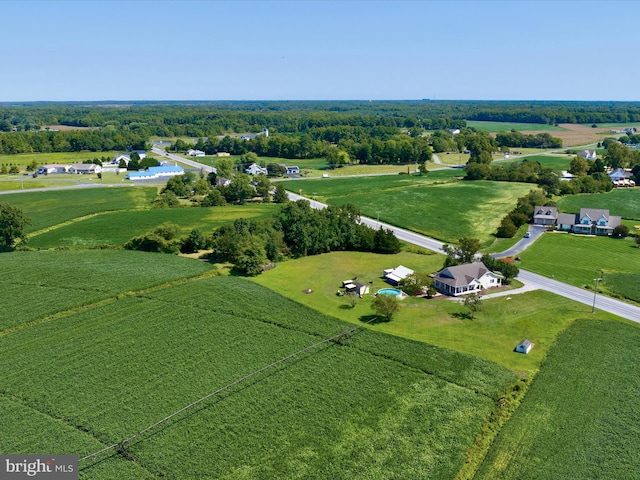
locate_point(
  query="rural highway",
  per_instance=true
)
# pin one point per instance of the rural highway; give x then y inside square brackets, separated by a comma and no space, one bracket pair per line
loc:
[533,280]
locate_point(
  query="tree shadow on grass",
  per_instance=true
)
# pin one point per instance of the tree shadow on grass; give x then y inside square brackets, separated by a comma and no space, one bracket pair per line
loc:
[373,319]
[462,315]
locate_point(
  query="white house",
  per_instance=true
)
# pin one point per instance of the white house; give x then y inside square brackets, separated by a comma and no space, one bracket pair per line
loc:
[466,278]
[592,221]
[223,182]
[195,153]
[293,170]
[619,174]
[524,346]
[53,168]
[156,173]
[588,154]
[454,131]
[396,275]
[127,157]
[255,169]
[85,168]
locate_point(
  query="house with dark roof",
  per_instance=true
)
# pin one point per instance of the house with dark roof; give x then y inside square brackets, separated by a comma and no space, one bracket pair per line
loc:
[592,221]
[466,278]
[545,215]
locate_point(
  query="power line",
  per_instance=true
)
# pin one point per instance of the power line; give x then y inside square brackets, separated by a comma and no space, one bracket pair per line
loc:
[226,387]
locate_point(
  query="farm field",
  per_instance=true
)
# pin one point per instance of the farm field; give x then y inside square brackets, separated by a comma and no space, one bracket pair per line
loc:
[508,126]
[376,406]
[445,211]
[47,209]
[116,228]
[578,259]
[25,159]
[624,202]
[580,417]
[554,162]
[498,327]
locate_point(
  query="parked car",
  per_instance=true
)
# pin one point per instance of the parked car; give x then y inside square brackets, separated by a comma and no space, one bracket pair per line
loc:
[527,235]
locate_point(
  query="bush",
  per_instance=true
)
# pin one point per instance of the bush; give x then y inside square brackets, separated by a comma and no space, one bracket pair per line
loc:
[621,231]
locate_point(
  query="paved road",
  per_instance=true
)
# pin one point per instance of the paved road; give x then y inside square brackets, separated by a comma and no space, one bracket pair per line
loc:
[533,281]
[535,232]
[177,158]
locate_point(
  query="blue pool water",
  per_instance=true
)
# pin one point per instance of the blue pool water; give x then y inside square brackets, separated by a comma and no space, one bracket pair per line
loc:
[390,291]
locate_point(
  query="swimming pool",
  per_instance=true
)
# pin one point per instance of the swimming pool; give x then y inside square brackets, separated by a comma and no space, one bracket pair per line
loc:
[390,291]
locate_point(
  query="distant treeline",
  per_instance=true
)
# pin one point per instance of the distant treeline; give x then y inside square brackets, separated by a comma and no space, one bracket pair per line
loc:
[198,119]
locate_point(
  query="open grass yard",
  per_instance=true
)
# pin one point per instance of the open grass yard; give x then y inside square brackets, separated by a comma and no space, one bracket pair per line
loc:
[508,126]
[375,407]
[51,208]
[444,211]
[578,259]
[555,162]
[493,334]
[624,202]
[502,244]
[40,284]
[116,228]
[580,418]
[64,158]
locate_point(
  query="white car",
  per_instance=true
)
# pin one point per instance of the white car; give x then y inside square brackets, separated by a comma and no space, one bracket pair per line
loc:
[527,235]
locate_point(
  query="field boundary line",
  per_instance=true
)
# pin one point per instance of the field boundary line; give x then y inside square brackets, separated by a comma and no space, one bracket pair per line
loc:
[123,445]
[106,301]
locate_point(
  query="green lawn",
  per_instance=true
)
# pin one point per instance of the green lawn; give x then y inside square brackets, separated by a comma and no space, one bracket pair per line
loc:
[25,159]
[580,418]
[374,407]
[47,209]
[508,126]
[493,335]
[445,211]
[116,228]
[624,202]
[554,162]
[578,259]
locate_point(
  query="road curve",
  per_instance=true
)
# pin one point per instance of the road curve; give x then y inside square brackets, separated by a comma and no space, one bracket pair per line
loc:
[177,158]
[533,280]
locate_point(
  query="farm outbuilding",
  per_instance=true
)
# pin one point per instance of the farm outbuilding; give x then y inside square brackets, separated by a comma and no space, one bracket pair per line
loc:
[524,346]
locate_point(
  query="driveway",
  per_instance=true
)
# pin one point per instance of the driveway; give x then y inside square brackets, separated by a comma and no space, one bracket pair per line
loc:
[535,232]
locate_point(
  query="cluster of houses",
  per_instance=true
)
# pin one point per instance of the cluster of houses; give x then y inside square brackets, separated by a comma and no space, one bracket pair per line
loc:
[162,172]
[255,169]
[592,221]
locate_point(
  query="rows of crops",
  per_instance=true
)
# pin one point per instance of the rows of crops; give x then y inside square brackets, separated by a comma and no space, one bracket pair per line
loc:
[580,417]
[375,407]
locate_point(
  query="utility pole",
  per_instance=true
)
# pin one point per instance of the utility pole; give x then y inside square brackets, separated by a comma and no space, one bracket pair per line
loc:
[595,292]
[378,218]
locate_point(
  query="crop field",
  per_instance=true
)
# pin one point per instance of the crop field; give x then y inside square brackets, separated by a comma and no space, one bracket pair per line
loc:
[578,259]
[555,162]
[508,126]
[53,208]
[374,406]
[40,284]
[116,228]
[580,416]
[493,334]
[444,211]
[624,202]
[25,159]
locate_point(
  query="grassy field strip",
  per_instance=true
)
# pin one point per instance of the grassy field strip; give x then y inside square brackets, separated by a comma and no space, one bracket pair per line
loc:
[73,220]
[624,202]
[104,302]
[580,418]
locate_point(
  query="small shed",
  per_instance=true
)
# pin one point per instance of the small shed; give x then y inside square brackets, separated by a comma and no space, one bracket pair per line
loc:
[358,288]
[524,346]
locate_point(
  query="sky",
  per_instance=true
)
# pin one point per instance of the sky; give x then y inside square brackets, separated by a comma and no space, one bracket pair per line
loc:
[86,50]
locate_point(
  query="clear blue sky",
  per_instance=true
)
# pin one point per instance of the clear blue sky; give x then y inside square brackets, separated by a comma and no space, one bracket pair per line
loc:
[293,50]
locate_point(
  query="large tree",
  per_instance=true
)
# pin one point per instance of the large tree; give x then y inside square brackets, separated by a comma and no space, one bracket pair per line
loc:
[464,253]
[385,306]
[12,224]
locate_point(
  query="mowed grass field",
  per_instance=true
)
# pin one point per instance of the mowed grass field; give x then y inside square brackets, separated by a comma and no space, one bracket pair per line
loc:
[508,126]
[580,418]
[493,334]
[555,162]
[25,159]
[578,259]
[446,211]
[116,228]
[49,208]
[375,406]
[623,202]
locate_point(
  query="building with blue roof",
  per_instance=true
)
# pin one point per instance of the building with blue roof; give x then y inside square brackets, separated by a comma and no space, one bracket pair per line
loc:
[156,173]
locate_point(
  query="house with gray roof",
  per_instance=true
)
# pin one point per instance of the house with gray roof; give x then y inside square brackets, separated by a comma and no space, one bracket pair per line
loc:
[591,221]
[466,278]
[545,215]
